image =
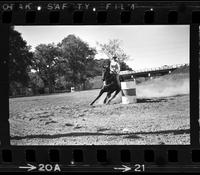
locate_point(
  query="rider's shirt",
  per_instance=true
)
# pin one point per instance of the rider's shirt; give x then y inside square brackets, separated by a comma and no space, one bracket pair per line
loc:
[114,67]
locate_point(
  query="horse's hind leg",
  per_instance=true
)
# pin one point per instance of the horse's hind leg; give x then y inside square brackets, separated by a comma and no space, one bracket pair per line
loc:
[116,92]
[100,93]
[107,97]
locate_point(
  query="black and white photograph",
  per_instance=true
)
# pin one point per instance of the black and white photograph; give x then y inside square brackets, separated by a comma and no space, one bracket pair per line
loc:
[99,85]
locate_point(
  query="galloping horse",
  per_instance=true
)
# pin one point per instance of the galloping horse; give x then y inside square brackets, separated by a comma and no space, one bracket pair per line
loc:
[110,87]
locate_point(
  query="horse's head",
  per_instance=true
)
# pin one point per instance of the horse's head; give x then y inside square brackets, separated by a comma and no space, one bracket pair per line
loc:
[105,72]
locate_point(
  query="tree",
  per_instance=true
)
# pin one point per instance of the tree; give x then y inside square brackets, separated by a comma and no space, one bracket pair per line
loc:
[36,83]
[79,57]
[20,59]
[113,47]
[124,66]
[46,63]
[98,65]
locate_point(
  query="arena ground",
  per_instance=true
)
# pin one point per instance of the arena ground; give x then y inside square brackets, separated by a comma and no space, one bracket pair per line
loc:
[160,116]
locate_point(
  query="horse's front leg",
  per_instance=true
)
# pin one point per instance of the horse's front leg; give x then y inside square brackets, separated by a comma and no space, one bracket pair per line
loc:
[107,97]
[116,92]
[100,93]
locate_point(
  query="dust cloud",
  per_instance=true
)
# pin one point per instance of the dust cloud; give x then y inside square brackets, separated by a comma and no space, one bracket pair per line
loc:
[162,87]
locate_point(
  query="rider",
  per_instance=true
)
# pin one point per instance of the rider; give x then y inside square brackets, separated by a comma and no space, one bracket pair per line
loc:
[115,68]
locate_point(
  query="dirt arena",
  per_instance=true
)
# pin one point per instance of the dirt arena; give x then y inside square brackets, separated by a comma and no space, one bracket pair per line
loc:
[158,117]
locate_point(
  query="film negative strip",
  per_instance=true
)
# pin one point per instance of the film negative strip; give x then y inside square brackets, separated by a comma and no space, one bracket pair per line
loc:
[99,86]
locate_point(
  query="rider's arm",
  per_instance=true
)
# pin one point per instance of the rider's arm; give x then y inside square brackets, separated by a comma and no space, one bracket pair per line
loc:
[118,68]
[111,66]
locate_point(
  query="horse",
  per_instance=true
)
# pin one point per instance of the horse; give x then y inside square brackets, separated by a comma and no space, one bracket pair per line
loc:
[110,86]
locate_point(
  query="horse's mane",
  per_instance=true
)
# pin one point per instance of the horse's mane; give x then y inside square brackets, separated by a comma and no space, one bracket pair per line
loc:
[111,77]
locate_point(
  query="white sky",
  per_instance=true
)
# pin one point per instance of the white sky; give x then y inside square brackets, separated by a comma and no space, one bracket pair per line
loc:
[148,46]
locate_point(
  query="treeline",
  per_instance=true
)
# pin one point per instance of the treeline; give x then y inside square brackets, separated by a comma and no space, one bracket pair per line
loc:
[52,67]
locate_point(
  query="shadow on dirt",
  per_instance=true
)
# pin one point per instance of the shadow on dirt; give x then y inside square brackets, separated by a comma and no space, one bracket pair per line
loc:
[73,134]
[175,132]
[46,123]
[102,129]
[149,100]
[68,124]
[79,134]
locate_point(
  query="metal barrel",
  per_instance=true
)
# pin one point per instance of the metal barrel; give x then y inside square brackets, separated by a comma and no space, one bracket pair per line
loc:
[128,92]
